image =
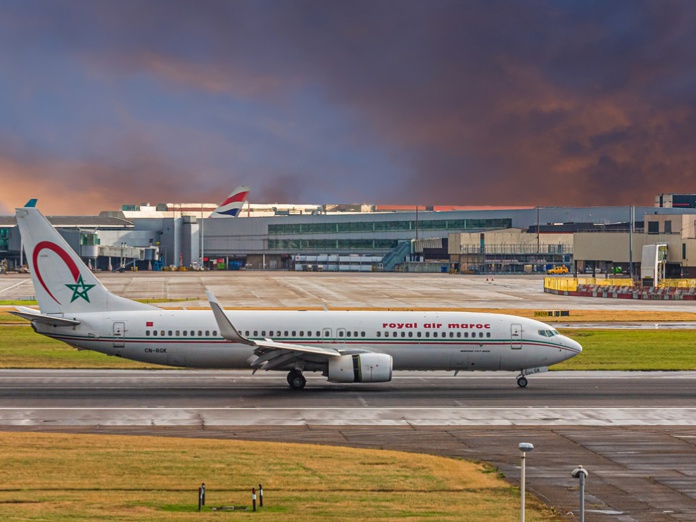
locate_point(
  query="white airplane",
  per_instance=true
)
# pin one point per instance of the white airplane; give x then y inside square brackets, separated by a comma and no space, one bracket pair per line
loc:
[345,346]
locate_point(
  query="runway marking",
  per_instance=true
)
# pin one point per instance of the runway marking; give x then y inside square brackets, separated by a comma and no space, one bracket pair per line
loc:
[14,285]
[327,416]
[338,408]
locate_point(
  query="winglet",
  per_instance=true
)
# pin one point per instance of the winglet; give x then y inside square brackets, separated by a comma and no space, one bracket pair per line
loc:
[227,329]
[31,203]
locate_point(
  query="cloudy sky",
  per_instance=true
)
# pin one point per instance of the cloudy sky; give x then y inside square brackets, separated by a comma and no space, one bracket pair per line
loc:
[396,102]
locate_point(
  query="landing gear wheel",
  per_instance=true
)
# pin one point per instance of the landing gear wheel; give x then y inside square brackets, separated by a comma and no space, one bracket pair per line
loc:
[296,380]
[522,381]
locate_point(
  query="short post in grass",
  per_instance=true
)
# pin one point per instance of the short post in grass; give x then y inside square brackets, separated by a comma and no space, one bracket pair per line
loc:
[260,496]
[200,499]
[203,493]
[253,499]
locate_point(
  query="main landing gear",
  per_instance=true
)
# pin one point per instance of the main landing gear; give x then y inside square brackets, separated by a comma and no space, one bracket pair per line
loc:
[296,380]
[522,381]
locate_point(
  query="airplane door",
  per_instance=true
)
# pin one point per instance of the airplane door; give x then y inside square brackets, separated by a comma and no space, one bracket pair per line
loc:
[326,335]
[119,333]
[516,336]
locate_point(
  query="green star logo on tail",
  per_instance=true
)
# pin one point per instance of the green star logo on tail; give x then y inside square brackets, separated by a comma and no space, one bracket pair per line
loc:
[80,289]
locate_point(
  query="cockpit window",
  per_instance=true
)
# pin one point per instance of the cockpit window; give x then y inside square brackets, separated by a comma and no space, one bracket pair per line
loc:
[548,333]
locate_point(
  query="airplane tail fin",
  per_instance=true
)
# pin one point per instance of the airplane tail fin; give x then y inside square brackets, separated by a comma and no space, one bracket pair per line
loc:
[233,204]
[62,282]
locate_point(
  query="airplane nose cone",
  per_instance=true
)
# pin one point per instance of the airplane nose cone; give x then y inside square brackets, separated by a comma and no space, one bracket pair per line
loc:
[573,345]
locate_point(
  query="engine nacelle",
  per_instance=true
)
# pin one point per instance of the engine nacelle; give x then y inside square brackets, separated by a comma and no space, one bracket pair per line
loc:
[361,367]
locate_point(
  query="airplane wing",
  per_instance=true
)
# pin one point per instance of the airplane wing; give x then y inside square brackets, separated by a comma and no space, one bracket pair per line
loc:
[35,315]
[270,354]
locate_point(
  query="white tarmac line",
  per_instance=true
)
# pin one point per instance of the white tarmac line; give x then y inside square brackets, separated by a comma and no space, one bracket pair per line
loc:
[167,416]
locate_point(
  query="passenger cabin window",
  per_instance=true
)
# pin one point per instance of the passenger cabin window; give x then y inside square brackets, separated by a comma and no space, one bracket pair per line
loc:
[147,333]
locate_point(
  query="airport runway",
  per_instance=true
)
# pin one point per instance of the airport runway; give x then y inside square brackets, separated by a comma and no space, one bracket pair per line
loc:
[300,290]
[635,432]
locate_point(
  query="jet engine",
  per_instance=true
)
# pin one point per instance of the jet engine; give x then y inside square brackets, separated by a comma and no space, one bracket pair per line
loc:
[362,367]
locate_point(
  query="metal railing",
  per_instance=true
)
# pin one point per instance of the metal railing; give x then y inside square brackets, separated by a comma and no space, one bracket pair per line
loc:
[520,249]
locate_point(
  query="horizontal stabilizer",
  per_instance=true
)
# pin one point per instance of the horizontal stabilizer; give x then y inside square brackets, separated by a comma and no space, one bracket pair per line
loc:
[35,315]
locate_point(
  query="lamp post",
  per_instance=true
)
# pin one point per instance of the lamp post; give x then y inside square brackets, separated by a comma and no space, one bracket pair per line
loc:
[581,473]
[524,448]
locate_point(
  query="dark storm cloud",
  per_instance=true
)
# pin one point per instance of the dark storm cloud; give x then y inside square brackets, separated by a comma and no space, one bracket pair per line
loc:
[498,102]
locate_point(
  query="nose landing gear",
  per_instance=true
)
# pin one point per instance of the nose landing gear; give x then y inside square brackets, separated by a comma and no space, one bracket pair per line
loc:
[522,381]
[296,380]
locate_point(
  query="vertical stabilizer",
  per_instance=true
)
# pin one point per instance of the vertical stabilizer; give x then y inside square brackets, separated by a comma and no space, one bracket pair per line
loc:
[62,282]
[233,204]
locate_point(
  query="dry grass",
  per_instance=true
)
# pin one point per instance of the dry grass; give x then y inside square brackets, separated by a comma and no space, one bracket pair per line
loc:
[91,477]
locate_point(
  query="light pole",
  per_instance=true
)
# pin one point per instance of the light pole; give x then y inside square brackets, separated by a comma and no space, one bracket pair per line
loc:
[524,448]
[581,473]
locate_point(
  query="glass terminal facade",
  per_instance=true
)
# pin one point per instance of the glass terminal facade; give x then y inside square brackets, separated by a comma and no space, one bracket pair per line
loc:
[367,227]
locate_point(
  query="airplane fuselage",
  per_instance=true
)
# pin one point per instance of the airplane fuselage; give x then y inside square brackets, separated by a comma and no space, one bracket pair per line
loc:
[415,340]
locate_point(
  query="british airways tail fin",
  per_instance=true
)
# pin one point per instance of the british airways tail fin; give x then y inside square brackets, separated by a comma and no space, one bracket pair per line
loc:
[232,206]
[62,282]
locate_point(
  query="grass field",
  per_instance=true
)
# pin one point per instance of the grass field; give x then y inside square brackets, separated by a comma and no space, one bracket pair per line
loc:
[633,350]
[102,477]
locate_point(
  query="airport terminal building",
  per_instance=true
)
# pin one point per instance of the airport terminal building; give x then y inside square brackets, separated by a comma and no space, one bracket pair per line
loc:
[354,237]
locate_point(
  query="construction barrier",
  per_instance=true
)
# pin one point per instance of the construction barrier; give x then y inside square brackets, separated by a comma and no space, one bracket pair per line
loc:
[621,288]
